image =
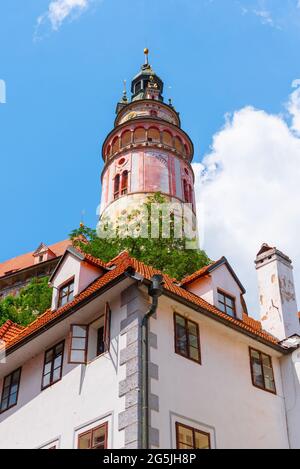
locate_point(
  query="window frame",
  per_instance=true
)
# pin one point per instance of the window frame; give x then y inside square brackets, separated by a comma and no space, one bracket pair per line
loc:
[71,337]
[51,373]
[199,361]
[92,430]
[262,388]
[18,389]
[68,282]
[229,296]
[194,430]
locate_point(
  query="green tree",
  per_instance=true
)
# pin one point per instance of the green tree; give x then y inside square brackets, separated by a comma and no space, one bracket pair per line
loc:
[32,300]
[166,252]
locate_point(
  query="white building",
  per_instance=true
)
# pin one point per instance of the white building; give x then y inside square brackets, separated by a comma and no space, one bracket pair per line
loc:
[127,358]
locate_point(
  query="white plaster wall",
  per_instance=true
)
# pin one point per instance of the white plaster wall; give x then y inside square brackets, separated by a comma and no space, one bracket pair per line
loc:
[84,274]
[203,287]
[291,379]
[217,395]
[85,395]
[220,278]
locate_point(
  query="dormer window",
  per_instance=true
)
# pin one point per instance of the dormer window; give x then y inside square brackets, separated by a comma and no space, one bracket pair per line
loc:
[66,293]
[41,258]
[226,303]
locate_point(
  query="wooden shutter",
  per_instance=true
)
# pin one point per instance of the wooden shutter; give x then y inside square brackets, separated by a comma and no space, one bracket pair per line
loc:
[107,320]
[78,343]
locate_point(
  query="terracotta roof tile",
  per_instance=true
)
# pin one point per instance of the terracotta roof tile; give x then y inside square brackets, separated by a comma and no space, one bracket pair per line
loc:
[198,274]
[27,260]
[122,262]
[9,330]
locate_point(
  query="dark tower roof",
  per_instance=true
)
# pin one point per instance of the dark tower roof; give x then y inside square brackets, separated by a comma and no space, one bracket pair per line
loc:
[146,77]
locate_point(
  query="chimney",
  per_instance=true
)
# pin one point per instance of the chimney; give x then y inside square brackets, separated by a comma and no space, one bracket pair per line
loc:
[277,297]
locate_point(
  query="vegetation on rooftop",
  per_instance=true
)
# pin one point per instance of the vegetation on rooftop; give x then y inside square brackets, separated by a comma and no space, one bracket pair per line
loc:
[165,252]
[31,301]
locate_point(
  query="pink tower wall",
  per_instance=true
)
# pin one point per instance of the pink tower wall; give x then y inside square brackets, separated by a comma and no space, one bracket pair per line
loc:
[149,171]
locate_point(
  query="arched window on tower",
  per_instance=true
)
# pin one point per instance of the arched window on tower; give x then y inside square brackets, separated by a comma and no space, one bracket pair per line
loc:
[124,183]
[115,145]
[126,138]
[186,191]
[153,135]
[178,144]
[117,186]
[139,135]
[190,194]
[167,138]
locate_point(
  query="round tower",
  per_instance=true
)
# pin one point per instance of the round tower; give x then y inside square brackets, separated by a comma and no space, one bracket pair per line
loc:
[147,151]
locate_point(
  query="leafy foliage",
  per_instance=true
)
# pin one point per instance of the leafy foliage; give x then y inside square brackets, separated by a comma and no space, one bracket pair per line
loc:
[167,253]
[32,300]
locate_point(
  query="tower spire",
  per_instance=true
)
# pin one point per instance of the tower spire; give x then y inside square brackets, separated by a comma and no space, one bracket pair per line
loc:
[146,52]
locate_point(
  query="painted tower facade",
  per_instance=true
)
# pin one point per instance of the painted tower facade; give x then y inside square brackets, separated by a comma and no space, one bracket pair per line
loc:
[147,151]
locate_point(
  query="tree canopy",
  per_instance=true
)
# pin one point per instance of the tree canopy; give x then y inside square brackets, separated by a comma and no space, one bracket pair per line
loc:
[165,252]
[32,300]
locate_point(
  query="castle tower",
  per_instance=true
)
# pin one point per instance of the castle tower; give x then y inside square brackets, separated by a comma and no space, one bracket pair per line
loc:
[147,151]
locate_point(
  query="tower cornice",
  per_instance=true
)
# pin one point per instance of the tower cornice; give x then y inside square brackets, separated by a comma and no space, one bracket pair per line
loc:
[146,102]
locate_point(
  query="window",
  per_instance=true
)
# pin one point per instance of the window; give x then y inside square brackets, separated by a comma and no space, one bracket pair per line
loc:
[191,438]
[78,344]
[53,365]
[153,134]
[88,341]
[117,186]
[178,144]
[126,138]
[187,342]
[139,135]
[226,303]
[100,341]
[115,145]
[138,87]
[66,293]
[10,391]
[124,187]
[95,438]
[262,371]
[167,138]
[41,258]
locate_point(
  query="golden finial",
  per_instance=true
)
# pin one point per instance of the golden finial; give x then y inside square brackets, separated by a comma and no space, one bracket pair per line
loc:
[146,52]
[81,224]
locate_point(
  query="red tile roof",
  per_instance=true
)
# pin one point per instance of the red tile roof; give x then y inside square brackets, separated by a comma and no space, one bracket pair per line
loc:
[9,330]
[27,260]
[198,274]
[122,262]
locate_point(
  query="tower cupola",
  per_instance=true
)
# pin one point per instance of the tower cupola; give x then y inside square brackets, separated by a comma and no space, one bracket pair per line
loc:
[146,84]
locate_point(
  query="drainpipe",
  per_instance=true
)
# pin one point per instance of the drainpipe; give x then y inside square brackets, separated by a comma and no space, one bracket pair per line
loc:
[155,290]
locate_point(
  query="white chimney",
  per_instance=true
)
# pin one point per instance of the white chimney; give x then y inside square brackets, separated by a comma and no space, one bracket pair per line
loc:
[277,297]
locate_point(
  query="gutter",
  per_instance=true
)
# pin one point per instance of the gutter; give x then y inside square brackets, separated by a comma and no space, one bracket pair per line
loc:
[155,290]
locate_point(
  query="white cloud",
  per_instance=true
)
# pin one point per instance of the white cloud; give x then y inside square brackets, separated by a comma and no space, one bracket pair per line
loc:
[265,17]
[249,186]
[60,10]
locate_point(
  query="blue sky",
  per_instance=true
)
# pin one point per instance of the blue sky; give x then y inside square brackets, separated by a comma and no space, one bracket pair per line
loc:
[64,73]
